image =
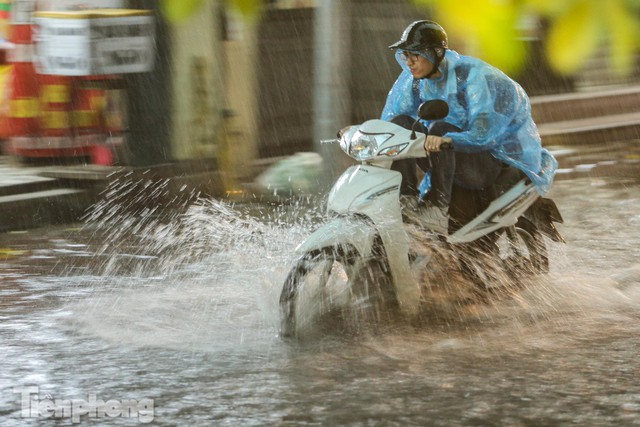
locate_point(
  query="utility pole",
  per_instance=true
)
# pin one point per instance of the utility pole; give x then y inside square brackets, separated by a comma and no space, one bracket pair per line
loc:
[331,100]
[149,99]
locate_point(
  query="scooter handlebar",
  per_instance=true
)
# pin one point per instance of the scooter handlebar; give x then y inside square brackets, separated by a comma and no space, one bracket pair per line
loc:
[447,144]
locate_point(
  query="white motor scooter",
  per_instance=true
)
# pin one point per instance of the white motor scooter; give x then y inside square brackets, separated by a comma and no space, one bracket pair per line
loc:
[361,256]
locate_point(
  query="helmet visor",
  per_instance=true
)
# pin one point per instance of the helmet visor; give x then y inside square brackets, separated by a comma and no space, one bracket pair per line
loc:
[407,45]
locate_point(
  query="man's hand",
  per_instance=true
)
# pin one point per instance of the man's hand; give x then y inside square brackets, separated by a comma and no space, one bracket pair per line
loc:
[433,143]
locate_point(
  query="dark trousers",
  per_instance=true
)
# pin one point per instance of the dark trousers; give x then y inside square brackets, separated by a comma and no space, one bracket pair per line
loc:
[471,171]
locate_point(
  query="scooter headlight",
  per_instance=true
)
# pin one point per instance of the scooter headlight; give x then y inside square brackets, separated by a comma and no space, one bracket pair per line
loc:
[365,145]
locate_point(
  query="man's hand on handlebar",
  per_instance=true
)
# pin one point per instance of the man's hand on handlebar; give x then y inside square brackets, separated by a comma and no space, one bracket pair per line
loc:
[434,144]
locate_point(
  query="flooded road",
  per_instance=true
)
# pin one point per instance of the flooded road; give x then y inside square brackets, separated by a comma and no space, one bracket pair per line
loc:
[178,326]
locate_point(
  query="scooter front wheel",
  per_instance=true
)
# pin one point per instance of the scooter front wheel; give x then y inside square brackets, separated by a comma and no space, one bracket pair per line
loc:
[318,279]
[334,284]
[373,301]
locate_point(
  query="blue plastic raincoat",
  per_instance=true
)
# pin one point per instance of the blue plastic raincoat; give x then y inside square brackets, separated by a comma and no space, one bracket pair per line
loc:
[492,110]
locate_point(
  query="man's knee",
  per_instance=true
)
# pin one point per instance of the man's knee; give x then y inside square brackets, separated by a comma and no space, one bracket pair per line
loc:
[441,128]
[403,120]
[475,171]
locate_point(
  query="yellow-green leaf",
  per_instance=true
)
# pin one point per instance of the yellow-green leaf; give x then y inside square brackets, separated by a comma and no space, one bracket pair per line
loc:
[247,8]
[548,7]
[489,29]
[624,33]
[179,10]
[573,37]
[9,253]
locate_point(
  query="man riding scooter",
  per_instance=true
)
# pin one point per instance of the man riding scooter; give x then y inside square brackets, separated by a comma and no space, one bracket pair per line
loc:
[489,125]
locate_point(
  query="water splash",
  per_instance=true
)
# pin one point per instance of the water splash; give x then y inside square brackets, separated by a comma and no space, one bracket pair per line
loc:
[206,273]
[564,343]
[211,271]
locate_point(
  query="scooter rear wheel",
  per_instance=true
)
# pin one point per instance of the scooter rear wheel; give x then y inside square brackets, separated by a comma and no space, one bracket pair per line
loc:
[526,254]
[505,262]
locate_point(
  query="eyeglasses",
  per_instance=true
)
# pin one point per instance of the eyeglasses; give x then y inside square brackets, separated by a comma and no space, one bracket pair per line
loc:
[410,56]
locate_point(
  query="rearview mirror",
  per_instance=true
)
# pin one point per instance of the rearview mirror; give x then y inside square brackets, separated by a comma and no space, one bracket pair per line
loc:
[435,109]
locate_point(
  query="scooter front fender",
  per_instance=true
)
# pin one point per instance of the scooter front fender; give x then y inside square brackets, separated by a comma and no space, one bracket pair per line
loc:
[342,231]
[357,233]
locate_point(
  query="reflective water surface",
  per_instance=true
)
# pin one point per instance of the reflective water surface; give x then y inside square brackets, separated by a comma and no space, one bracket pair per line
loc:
[181,317]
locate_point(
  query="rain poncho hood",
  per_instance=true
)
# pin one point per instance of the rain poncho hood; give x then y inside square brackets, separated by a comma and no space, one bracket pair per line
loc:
[492,110]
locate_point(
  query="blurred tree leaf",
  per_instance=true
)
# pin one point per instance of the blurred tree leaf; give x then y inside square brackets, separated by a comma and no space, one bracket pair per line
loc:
[624,34]
[179,10]
[9,253]
[247,8]
[578,28]
[548,7]
[490,28]
[574,36]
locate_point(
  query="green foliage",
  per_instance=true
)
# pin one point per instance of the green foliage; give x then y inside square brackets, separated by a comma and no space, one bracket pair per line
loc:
[577,29]
[491,27]
[178,11]
[247,8]
[573,36]
[487,26]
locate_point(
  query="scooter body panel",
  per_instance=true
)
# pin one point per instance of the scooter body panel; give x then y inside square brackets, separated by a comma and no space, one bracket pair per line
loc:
[502,212]
[371,192]
[365,204]
[360,186]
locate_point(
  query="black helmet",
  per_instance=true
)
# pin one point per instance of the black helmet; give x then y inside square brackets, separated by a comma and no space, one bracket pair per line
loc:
[420,36]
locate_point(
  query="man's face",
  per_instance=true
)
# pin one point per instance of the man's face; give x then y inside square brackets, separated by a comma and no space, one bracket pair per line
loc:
[420,67]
